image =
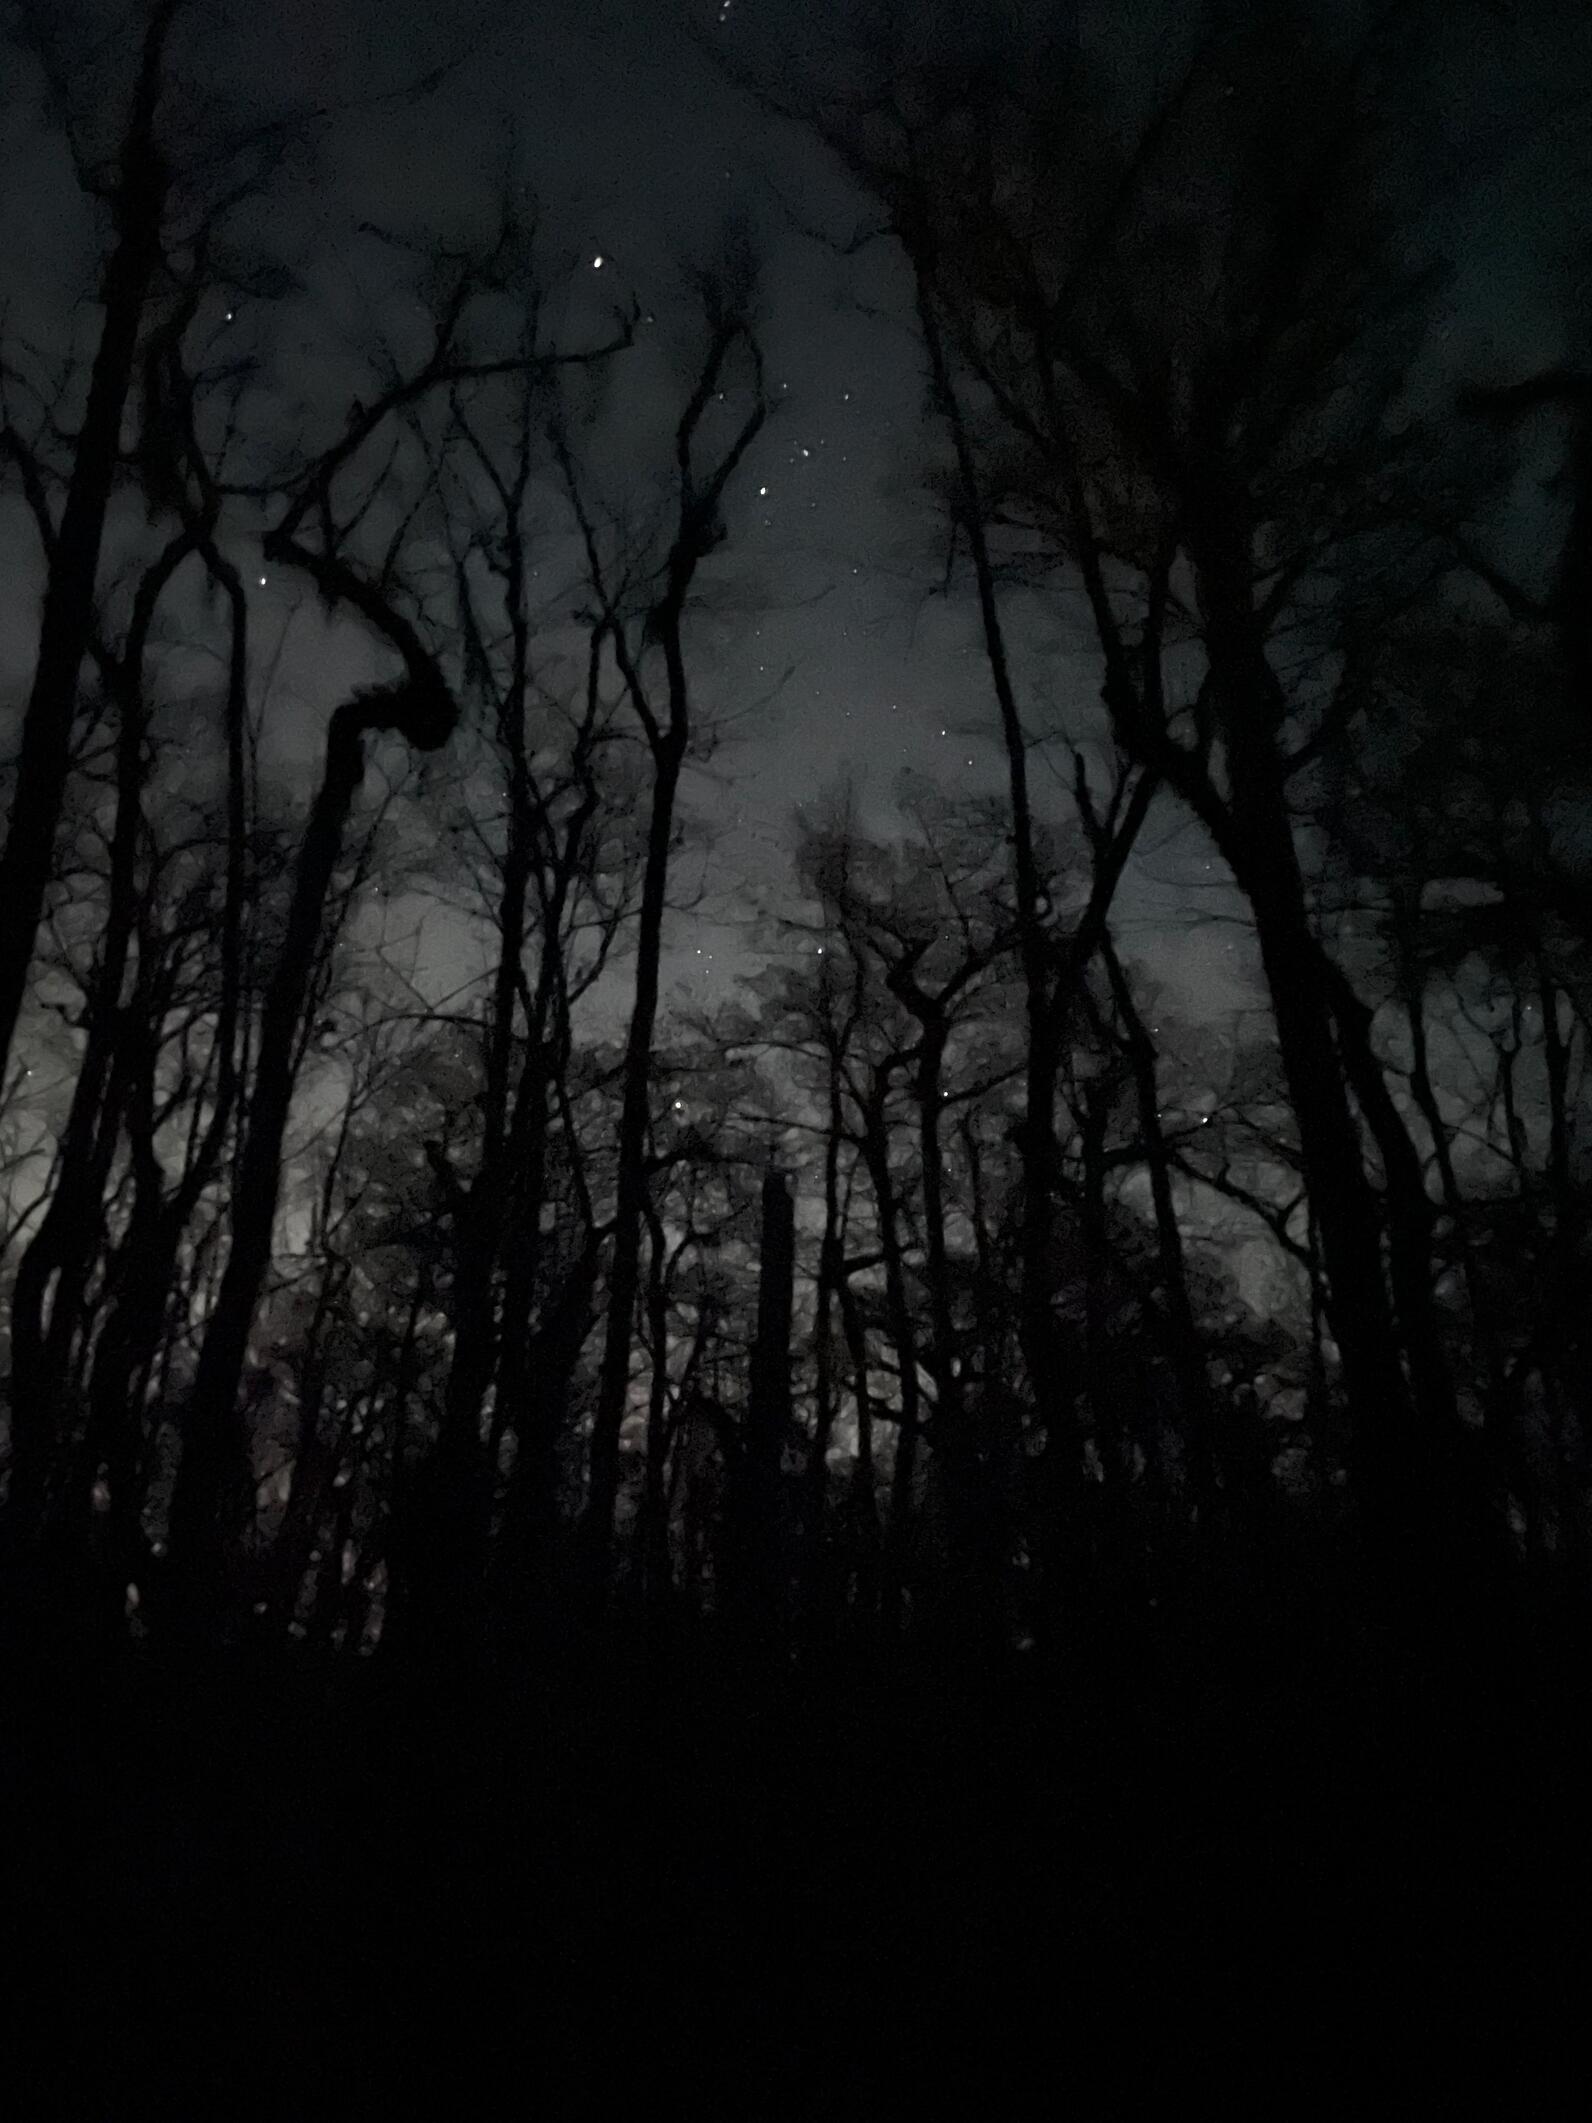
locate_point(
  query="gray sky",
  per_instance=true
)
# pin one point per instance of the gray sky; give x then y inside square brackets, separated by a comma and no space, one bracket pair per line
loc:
[638,152]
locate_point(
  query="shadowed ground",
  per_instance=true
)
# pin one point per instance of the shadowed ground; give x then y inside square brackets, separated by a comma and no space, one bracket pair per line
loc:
[279,1889]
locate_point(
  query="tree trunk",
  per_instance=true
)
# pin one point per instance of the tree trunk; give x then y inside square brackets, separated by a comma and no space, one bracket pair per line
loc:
[1266,865]
[759,1536]
[624,1276]
[214,1472]
[67,619]
[903,1480]
[1187,1349]
[815,1477]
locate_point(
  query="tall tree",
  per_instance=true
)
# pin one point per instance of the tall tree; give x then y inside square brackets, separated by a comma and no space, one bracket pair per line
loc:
[1174,363]
[137,196]
[704,469]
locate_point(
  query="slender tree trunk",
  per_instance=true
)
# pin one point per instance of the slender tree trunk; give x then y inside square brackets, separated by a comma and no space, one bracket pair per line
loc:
[49,1296]
[1097,1098]
[1266,865]
[943,1363]
[73,573]
[215,1473]
[449,1549]
[903,1479]
[1039,1333]
[624,1276]
[1346,1211]
[72,1230]
[317,1444]
[862,1515]
[214,1469]
[699,530]
[972,1565]
[657,1567]
[541,1383]
[1484,1325]
[1187,1349]
[815,1479]
[759,1539]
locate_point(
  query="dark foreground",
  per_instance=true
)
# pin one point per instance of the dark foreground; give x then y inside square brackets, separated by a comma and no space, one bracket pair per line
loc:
[1220,1864]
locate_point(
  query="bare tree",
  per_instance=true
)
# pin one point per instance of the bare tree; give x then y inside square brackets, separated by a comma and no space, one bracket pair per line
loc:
[703,473]
[1198,418]
[317,531]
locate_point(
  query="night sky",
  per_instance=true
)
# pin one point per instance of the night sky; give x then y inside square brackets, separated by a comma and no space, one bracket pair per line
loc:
[1272,1805]
[847,659]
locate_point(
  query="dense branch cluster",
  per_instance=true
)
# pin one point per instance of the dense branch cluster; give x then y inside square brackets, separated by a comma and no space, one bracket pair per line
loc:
[940,1284]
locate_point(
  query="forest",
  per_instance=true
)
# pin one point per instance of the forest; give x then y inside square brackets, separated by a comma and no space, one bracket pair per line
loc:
[927,1507]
